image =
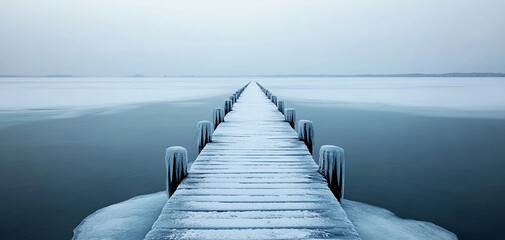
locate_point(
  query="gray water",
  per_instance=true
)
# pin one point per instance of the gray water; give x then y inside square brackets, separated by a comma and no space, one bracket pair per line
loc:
[54,173]
[449,171]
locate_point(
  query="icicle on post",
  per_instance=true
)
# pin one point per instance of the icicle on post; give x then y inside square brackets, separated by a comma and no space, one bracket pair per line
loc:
[227,106]
[205,130]
[332,167]
[176,162]
[274,99]
[217,116]
[290,116]
[306,133]
[280,106]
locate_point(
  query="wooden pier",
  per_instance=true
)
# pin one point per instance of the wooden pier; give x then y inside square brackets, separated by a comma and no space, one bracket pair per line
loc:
[254,180]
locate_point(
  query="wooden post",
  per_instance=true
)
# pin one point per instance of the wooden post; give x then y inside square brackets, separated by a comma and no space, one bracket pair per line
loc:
[290,116]
[217,116]
[280,106]
[332,167]
[205,130]
[176,162]
[306,133]
[227,106]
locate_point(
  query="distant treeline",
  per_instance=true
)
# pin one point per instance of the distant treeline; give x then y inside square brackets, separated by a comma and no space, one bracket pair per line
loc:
[362,75]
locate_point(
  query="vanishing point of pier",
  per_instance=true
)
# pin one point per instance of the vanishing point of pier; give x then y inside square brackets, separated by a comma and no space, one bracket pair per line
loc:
[254,178]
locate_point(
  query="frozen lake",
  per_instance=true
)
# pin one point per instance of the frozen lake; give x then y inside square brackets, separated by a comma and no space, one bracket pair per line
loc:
[468,97]
[425,148]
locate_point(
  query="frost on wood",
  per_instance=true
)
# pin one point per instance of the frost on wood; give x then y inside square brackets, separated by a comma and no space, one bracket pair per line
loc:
[290,116]
[306,133]
[217,116]
[332,166]
[280,106]
[176,162]
[227,106]
[205,130]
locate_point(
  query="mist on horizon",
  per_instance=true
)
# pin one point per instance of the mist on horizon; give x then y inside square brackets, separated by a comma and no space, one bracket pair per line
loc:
[225,37]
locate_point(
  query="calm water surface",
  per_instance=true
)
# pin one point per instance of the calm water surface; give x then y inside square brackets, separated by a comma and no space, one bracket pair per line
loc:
[53,173]
[449,171]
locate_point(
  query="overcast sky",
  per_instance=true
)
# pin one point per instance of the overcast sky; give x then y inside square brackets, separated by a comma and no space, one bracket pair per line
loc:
[239,37]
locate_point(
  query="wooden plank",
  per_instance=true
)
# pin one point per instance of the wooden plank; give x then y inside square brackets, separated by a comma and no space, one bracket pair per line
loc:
[259,234]
[255,180]
[174,214]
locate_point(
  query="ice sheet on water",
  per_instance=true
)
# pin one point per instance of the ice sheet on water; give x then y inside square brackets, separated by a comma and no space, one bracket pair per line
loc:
[72,93]
[376,223]
[31,99]
[451,97]
[132,219]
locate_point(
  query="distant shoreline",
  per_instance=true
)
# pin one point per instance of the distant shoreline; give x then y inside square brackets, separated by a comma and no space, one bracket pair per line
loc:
[420,75]
[366,75]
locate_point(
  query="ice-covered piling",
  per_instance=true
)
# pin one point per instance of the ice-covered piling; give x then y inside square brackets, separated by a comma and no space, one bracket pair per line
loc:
[205,130]
[227,106]
[290,116]
[269,95]
[332,167]
[306,133]
[233,99]
[217,116]
[274,99]
[176,162]
[280,106]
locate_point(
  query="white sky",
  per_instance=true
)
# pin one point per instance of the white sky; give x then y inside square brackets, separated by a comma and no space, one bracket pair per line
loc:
[239,37]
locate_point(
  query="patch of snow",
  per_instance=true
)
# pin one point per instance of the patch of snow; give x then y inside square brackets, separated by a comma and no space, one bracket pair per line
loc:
[128,220]
[374,223]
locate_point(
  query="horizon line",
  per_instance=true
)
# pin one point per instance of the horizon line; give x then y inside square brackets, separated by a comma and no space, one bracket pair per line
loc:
[448,74]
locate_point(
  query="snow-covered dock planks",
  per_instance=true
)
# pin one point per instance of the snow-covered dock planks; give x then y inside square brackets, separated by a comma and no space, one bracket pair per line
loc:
[255,180]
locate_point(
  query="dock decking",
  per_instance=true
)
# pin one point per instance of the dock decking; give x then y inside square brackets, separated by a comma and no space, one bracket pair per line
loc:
[255,180]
